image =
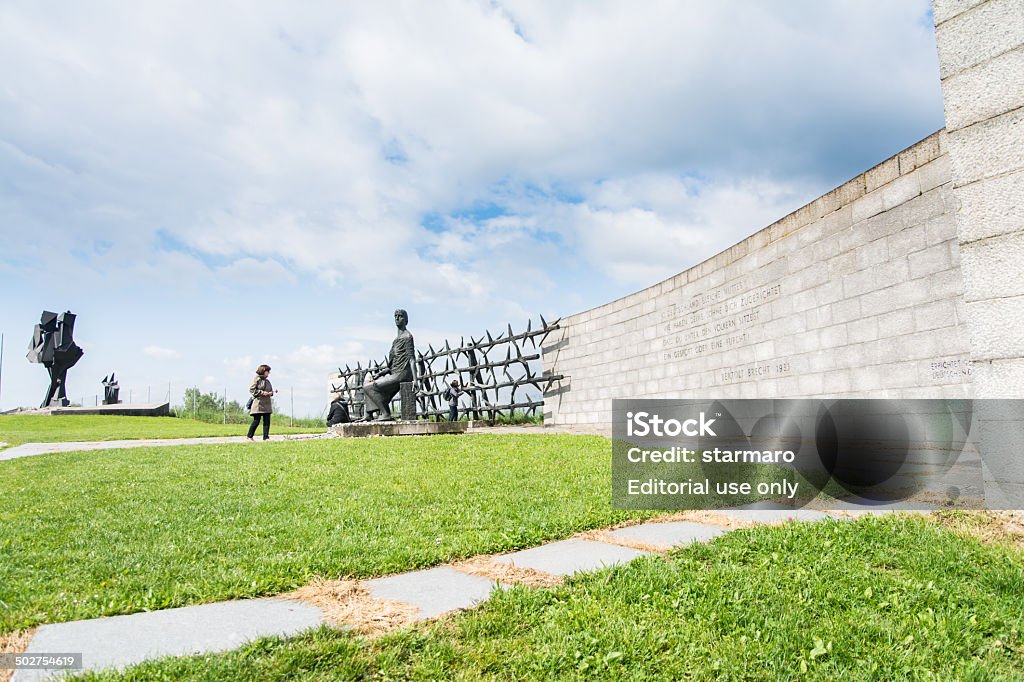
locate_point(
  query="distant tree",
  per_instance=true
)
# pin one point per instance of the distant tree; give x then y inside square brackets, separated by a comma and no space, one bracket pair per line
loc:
[204,402]
[209,407]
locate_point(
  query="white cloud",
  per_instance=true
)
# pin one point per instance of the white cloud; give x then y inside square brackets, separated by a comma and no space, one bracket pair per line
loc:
[562,153]
[641,229]
[323,355]
[319,139]
[239,365]
[161,353]
[255,272]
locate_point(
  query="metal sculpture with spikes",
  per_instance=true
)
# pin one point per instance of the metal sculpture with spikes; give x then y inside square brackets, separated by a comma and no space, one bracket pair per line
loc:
[496,385]
[110,390]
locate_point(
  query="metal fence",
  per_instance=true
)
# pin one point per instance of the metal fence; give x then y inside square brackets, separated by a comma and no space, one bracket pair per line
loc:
[502,375]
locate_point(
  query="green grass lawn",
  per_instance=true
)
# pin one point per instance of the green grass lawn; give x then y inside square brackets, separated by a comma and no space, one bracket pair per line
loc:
[16,429]
[85,534]
[880,599]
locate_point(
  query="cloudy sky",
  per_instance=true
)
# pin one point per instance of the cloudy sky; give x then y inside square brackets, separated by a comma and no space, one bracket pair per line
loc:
[214,185]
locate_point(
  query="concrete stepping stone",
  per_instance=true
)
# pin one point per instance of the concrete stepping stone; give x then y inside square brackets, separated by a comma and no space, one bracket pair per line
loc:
[433,591]
[571,556]
[30,449]
[667,535]
[120,641]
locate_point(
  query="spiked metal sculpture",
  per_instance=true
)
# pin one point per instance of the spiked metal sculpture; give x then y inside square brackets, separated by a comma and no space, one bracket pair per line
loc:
[53,347]
[495,384]
[110,390]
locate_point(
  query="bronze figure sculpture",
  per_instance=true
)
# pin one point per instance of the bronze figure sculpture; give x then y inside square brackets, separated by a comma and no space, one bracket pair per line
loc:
[388,380]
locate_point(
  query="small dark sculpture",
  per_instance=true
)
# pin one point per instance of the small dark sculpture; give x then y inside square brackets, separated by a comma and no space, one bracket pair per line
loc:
[110,390]
[53,346]
[388,380]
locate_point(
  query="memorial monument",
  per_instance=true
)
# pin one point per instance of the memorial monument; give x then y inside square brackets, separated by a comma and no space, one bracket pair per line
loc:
[504,371]
[388,380]
[53,346]
[110,390]
[397,374]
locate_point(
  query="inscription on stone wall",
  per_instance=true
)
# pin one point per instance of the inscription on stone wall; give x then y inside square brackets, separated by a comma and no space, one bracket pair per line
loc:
[761,295]
[718,320]
[761,370]
[949,368]
[710,345]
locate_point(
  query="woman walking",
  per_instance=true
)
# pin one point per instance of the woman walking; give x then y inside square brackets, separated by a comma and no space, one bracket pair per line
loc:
[262,401]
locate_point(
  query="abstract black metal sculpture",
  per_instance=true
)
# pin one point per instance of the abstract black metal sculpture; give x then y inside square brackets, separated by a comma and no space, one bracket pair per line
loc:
[388,380]
[110,390]
[502,374]
[53,346]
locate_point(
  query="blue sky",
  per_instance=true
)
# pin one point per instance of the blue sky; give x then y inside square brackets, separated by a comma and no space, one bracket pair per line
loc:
[210,186]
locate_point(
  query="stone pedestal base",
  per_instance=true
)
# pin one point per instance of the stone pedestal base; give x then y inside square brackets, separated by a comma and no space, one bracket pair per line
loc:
[398,428]
[408,401]
[129,410]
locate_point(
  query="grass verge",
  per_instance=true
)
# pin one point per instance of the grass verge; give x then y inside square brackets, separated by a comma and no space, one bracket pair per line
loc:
[892,598]
[86,534]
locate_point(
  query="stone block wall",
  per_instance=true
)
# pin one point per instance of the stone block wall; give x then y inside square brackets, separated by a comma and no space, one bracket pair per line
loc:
[981,64]
[857,294]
